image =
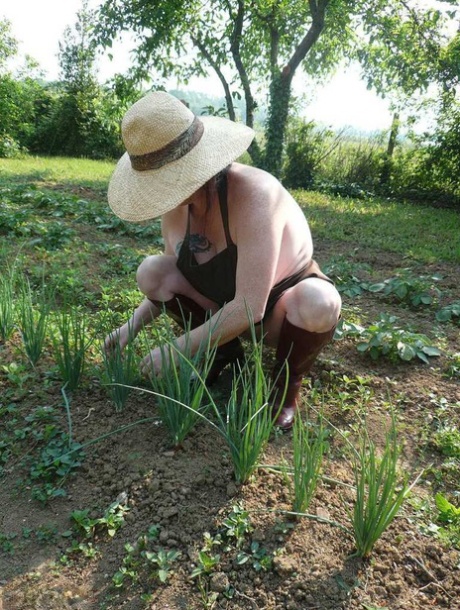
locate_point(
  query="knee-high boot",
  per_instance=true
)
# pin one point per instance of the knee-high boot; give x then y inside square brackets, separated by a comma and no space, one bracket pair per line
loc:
[186,311]
[300,349]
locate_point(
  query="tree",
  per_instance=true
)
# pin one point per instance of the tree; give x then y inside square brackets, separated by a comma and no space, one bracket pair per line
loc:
[248,43]
[79,117]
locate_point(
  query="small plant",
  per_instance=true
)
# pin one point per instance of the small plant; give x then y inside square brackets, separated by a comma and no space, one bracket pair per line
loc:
[70,345]
[405,287]
[237,525]
[257,556]
[453,367]
[120,372]
[449,516]
[111,521]
[449,313]
[343,273]
[385,338]
[380,492]
[309,446]
[447,441]
[139,560]
[32,320]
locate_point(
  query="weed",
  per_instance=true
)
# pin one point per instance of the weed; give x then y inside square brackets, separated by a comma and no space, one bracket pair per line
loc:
[257,556]
[141,559]
[237,525]
[343,272]
[6,543]
[447,440]
[449,516]
[453,366]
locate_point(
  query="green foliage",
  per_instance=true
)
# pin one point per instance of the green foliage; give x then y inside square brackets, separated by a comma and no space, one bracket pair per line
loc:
[306,147]
[447,440]
[343,272]
[449,517]
[50,455]
[7,306]
[385,338]
[449,313]
[410,289]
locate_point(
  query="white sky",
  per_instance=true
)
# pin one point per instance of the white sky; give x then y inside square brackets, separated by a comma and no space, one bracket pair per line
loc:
[39,25]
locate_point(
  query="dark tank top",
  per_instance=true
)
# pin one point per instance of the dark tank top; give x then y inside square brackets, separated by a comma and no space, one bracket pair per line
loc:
[216,278]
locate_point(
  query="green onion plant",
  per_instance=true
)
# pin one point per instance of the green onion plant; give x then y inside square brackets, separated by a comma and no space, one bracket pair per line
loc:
[7,309]
[309,446]
[32,319]
[120,372]
[380,491]
[70,344]
[181,382]
[248,420]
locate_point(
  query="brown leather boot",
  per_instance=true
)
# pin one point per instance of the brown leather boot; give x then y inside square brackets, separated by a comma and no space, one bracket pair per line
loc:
[300,349]
[184,311]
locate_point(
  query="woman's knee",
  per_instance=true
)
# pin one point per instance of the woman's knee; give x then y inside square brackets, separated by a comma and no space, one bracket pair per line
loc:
[314,305]
[152,277]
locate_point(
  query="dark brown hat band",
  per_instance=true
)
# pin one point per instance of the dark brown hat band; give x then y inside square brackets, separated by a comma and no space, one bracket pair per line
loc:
[176,149]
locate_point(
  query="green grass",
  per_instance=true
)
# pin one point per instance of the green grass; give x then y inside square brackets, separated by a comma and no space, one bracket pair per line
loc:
[57,170]
[423,233]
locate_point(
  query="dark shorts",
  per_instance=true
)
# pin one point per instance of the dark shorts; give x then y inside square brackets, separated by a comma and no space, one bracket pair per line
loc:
[310,270]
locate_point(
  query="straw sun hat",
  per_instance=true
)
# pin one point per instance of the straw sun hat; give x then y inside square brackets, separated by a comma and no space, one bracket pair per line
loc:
[170,154]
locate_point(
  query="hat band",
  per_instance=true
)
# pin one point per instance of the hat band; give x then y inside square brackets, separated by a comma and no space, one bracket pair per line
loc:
[176,149]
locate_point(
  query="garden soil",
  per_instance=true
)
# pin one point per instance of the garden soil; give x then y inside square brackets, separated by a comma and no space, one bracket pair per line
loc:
[189,492]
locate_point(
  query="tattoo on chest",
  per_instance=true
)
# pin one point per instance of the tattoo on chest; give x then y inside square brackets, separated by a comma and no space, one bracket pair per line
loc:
[199,243]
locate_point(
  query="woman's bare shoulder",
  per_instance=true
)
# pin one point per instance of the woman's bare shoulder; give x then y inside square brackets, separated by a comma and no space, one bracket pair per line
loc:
[255,186]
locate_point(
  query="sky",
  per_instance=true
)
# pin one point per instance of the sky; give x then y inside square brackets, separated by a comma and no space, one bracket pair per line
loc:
[39,25]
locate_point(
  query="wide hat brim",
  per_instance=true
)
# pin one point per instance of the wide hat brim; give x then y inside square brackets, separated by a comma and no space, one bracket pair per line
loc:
[136,196]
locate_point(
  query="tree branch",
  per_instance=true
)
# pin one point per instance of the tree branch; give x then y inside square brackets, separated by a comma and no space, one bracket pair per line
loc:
[215,66]
[318,11]
[236,53]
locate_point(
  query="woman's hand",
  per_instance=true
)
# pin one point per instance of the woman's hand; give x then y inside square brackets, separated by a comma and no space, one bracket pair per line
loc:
[157,361]
[118,338]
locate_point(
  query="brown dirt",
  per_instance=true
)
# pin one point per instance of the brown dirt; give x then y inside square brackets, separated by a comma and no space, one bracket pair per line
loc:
[191,491]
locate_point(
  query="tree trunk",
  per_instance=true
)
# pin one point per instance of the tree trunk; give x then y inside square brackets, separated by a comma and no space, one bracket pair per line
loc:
[280,91]
[387,161]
